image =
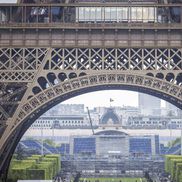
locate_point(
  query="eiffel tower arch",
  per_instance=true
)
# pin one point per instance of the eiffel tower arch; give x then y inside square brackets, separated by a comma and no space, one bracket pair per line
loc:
[45,63]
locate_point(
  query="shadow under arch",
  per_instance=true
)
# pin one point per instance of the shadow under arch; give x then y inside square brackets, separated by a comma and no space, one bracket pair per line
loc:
[106,84]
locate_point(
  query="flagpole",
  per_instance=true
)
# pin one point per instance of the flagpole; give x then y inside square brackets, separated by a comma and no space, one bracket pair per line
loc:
[42,142]
[110,100]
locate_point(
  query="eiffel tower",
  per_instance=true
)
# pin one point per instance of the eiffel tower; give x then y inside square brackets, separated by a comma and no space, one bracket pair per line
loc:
[52,50]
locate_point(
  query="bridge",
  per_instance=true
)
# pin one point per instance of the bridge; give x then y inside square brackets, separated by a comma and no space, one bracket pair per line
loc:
[53,50]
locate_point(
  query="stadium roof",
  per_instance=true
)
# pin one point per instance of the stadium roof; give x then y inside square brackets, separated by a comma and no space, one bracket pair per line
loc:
[110,132]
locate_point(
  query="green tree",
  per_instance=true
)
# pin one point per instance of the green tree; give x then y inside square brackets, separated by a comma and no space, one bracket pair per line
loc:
[50,142]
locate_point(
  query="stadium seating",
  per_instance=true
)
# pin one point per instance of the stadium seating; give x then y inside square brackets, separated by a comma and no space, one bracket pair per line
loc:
[84,145]
[140,145]
[176,149]
[36,145]
[64,149]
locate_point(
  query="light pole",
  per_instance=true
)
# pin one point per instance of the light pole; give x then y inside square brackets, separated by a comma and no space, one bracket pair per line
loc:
[42,142]
[181,140]
[53,130]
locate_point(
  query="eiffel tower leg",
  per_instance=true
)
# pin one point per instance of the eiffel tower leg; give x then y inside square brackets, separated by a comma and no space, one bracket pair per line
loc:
[8,142]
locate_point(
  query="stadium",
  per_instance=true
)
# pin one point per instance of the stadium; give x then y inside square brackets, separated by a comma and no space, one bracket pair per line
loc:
[105,152]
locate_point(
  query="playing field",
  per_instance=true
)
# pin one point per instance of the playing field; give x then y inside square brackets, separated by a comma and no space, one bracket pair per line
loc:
[112,180]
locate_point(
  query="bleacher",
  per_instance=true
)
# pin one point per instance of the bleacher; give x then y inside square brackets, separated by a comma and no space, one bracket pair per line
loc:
[31,144]
[63,149]
[176,149]
[163,149]
[51,148]
[84,145]
[140,145]
[36,145]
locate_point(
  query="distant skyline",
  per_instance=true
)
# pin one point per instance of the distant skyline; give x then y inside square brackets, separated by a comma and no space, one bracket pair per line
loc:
[102,99]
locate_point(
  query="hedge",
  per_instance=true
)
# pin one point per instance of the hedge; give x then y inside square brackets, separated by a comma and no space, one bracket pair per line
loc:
[173,165]
[178,172]
[48,167]
[53,163]
[58,159]
[168,161]
[173,169]
[35,157]
[36,174]
[180,178]
[36,167]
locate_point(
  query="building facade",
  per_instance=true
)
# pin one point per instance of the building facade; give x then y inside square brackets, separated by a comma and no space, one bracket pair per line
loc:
[154,122]
[66,109]
[61,122]
[149,105]
[74,116]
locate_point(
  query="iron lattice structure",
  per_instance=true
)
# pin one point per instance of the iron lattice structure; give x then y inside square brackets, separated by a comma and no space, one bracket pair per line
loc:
[43,64]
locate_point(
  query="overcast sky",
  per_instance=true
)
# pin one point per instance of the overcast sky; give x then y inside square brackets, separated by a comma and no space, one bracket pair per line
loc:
[102,98]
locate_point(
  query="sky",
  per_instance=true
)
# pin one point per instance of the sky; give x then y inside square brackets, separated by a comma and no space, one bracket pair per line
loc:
[102,98]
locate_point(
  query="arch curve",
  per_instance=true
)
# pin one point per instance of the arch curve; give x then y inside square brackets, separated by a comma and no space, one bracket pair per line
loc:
[54,94]
[67,89]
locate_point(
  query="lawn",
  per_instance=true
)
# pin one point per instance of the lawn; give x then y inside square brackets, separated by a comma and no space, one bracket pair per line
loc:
[112,179]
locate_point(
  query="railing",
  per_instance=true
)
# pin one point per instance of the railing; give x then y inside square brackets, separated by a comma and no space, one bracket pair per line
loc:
[85,42]
[90,13]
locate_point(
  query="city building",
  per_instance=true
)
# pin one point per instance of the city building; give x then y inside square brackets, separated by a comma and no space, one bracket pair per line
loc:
[66,109]
[149,105]
[74,117]
[154,122]
[175,123]
[171,109]
[122,113]
[61,122]
[110,118]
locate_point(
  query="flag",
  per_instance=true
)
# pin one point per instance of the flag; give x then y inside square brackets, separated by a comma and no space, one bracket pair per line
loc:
[111,100]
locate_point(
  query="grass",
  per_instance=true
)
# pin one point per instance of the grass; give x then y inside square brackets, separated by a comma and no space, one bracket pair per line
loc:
[113,179]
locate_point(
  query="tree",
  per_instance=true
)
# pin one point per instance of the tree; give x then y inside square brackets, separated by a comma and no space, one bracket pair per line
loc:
[20,152]
[50,142]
